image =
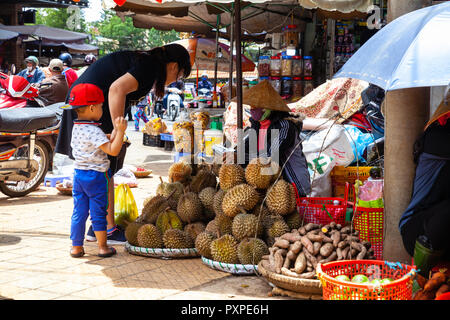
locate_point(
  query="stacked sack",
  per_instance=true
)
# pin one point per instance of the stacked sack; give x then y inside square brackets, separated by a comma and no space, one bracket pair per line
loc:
[252,207]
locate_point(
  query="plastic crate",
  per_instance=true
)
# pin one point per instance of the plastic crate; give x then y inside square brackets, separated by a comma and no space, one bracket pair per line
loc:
[323,210]
[341,175]
[401,288]
[369,222]
[149,140]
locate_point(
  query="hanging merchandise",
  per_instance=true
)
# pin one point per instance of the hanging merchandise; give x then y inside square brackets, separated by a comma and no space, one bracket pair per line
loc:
[290,36]
[297,87]
[276,83]
[264,66]
[275,66]
[307,66]
[297,66]
[286,66]
[308,85]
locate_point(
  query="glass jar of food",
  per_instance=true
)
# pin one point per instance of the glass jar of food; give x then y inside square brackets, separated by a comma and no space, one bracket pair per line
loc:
[264,66]
[297,87]
[308,85]
[307,66]
[275,66]
[286,66]
[297,66]
[276,83]
[286,86]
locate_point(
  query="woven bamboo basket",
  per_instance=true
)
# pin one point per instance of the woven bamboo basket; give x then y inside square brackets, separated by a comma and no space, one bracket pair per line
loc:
[164,253]
[290,283]
[62,190]
[238,269]
[142,174]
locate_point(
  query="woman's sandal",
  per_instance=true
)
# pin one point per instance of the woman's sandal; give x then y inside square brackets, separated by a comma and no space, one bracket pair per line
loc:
[109,254]
[78,254]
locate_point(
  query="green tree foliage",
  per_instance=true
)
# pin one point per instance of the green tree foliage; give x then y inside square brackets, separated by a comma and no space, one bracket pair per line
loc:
[62,18]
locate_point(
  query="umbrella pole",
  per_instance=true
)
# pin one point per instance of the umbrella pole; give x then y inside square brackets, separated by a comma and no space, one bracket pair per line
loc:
[197,82]
[230,80]
[237,17]
[217,52]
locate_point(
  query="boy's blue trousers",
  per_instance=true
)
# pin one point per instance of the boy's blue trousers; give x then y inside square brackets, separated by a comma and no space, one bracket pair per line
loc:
[90,197]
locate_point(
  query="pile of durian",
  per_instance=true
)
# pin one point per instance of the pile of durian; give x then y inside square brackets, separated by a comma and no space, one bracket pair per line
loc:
[234,219]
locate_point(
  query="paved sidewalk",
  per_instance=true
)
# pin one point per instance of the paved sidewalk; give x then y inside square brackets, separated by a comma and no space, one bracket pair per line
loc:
[35,261]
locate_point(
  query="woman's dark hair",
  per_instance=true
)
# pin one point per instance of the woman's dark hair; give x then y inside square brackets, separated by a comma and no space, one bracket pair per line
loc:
[169,53]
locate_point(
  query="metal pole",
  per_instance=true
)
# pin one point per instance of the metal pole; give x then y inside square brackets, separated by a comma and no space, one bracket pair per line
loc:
[230,81]
[217,52]
[237,17]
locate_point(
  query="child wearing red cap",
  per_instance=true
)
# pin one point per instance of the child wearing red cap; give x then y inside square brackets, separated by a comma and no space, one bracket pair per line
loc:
[90,148]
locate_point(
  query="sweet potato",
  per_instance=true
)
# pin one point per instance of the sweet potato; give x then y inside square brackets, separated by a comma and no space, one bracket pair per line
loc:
[359,247]
[339,254]
[289,273]
[352,238]
[442,289]
[281,243]
[326,249]
[291,237]
[300,263]
[296,247]
[338,226]
[331,257]
[345,230]
[307,244]
[425,295]
[437,279]
[332,224]
[311,226]
[314,237]
[345,252]
[287,262]
[265,257]
[325,238]
[278,260]
[302,231]
[291,255]
[311,258]
[336,237]
[366,244]
[342,244]
[316,247]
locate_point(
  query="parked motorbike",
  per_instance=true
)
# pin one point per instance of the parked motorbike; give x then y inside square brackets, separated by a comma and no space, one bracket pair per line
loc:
[27,136]
[174,103]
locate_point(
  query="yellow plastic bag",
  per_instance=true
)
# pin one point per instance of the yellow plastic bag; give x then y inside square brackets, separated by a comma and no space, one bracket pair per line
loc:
[125,208]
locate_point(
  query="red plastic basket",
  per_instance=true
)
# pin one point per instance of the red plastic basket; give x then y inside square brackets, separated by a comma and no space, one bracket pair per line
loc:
[369,222]
[322,210]
[399,289]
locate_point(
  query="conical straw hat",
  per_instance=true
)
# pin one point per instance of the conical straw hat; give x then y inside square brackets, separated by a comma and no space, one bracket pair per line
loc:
[263,96]
[442,110]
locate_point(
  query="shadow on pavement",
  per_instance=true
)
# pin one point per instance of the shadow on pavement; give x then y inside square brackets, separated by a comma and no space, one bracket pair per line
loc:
[32,198]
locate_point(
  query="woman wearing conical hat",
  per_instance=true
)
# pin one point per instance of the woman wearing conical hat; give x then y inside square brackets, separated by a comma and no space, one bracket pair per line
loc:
[426,221]
[269,114]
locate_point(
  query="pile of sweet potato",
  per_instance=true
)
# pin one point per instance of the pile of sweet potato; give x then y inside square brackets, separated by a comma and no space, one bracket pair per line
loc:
[297,253]
[432,288]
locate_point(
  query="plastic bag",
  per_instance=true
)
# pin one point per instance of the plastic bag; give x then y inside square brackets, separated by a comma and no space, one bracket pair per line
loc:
[359,141]
[125,175]
[323,151]
[370,194]
[125,208]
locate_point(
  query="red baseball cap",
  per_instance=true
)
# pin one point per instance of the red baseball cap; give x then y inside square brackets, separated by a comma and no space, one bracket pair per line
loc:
[84,94]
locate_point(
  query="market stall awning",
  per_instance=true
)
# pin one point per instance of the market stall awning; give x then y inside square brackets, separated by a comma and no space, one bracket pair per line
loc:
[257,16]
[345,6]
[46,33]
[7,35]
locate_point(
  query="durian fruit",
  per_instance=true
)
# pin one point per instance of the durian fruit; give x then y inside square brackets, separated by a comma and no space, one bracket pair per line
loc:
[190,208]
[274,226]
[241,196]
[211,227]
[153,206]
[207,199]
[131,232]
[217,202]
[260,211]
[246,225]
[149,236]
[224,224]
[168,219]
[215,167]
[203,244]
[172,191]
[177,239]
[293,220]
[281,198]
[251,250]
[203,179]
[224,249]
[231,175]
[180,171]
[194,229]
[260,172]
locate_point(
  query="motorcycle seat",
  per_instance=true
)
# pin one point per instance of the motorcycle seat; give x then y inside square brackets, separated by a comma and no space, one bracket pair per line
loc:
[26,119]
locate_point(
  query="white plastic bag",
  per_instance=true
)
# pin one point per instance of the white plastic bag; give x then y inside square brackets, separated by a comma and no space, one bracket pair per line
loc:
[126,176]
[323,151]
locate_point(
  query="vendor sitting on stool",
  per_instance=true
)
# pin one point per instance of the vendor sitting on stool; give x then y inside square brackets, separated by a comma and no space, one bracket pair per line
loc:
[269,112]
[425,224]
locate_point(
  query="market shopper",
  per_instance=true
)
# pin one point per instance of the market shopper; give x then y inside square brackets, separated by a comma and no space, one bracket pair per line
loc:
[54,88]
[32,73]
[269,114]
[68,72]
[124,76]
[425,223]
[140,111]
[90,147]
